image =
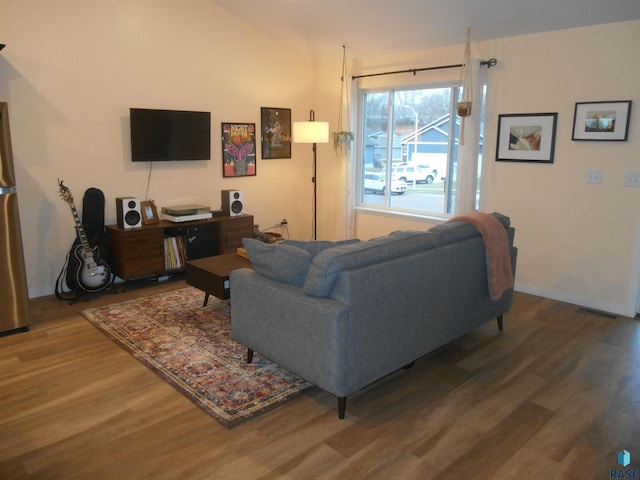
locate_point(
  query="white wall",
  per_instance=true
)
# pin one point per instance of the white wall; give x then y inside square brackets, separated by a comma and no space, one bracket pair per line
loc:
[578,243]
[72,69]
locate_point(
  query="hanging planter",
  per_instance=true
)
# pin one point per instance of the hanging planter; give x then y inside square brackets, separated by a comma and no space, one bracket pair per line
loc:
[464,108]
[342,138]
[466,102]
[342,141]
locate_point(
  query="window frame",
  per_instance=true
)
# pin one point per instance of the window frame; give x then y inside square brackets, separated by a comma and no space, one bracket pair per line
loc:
[386,207]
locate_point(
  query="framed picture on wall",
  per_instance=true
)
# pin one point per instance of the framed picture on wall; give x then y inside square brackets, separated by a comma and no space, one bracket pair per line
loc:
[275,132]
[526,137]
[238,149]
[602,121]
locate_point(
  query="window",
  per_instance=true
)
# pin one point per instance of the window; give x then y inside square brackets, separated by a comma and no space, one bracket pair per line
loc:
[410,135]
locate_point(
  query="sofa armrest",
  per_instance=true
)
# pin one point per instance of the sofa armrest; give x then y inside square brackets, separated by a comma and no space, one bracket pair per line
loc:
[305,335]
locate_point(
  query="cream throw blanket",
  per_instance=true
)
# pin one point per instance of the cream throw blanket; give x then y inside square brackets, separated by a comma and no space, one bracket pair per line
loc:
[499,269]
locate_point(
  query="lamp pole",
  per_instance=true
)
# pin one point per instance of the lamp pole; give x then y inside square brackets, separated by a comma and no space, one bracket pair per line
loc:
[415,138]
[312,118]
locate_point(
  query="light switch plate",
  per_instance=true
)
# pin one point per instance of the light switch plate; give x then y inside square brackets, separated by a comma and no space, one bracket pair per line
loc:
[594,176]
[632,179]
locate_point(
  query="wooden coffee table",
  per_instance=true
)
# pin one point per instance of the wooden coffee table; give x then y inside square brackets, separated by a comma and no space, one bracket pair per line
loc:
[211,274]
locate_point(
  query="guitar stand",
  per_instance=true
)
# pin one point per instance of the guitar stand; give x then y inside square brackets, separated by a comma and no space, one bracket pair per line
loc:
[78,296]
[80,293]
[87,296]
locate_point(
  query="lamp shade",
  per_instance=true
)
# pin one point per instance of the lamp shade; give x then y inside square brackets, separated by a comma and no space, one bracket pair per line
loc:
[311,132]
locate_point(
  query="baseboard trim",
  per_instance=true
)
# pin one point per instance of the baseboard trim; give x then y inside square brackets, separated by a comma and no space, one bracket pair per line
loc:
[578,301]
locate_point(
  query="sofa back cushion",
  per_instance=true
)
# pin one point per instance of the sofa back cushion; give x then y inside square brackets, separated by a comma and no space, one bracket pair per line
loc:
[457,231]
[314,247]
[327,265]
[316,265]
[285,263]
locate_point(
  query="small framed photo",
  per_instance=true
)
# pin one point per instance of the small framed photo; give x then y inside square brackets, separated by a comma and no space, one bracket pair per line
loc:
[526,137]
[149,212]
[275,132]
[602,121]
[238,149]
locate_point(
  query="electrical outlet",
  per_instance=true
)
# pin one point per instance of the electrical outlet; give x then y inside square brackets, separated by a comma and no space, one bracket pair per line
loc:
[594,176]
[632,179]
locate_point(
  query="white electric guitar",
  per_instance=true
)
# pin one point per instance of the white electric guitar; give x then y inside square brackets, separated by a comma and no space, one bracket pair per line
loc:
[92,274]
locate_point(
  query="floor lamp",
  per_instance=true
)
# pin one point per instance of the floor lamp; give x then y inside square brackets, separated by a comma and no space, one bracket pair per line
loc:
[312,132]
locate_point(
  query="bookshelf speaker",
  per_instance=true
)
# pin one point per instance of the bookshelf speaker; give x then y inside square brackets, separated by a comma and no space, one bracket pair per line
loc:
[232,203]
[128,212]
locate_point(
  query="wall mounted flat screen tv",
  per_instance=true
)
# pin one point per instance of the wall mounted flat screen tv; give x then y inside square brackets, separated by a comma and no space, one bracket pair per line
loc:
[169,135]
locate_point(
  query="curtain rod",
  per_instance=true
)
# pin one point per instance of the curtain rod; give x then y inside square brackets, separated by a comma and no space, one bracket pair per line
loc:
[492,62]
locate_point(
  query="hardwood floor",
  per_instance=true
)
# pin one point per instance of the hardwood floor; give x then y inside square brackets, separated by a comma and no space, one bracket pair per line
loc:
[555,396]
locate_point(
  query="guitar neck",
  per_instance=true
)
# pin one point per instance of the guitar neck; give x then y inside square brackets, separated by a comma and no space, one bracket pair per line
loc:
[80,229]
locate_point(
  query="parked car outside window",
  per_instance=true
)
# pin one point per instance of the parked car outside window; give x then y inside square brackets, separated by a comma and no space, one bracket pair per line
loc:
[413,173]
[375,183]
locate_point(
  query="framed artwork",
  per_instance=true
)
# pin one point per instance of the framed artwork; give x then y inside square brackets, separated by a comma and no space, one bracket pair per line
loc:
[149,212]
[602,121]
[526,137]
[238,149]
[275,132]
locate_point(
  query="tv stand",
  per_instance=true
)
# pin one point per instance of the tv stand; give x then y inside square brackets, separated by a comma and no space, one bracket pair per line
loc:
[141,252]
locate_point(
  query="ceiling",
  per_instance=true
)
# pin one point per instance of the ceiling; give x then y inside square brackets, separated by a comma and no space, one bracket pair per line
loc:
[319,28]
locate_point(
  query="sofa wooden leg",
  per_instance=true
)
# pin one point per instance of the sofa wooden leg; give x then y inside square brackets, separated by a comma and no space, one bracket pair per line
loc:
[499,318]
[342,407]
[249,355]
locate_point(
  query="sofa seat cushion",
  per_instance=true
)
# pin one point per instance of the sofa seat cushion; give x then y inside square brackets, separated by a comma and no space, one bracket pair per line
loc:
[285,263]
[327,265]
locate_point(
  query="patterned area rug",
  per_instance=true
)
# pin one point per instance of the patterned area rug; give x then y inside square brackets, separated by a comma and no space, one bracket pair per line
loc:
[190,346]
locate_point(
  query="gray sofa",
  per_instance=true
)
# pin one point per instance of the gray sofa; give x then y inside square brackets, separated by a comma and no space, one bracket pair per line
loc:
[344,314]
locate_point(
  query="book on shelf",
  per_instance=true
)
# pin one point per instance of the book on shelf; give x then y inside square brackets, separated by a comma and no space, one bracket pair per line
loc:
[174,253]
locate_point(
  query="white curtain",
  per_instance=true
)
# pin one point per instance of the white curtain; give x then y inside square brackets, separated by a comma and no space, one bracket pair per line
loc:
[467,181]
[347,200]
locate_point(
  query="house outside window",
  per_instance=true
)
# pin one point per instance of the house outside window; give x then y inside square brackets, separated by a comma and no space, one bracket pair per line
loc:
[408,135]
